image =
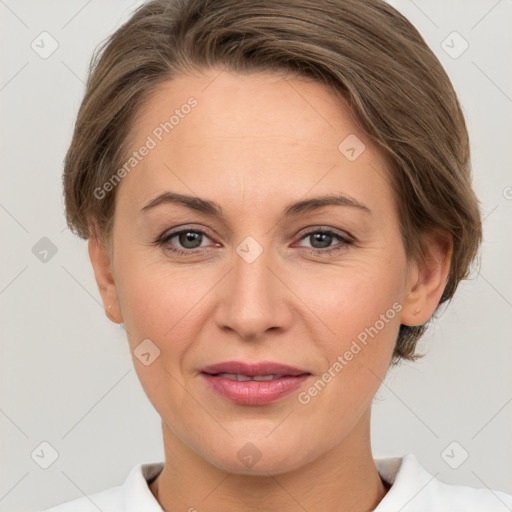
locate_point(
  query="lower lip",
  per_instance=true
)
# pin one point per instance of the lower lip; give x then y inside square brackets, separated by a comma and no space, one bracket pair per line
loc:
[254,392]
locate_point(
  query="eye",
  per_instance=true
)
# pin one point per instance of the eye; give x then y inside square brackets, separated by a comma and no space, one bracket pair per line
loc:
[321,241]
[185,241]
[188,239]
[193,241]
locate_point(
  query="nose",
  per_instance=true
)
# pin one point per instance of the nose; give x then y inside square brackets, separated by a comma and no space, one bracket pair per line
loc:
[253,301]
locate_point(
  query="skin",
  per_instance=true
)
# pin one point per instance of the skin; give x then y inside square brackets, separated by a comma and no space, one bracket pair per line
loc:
[254,144]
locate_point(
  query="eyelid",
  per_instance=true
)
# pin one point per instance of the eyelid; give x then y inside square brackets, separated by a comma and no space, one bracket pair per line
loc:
[179,229]
[325,229]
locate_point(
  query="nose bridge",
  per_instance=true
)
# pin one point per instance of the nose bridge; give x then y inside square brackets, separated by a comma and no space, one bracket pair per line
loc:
[251,302]
[251,276]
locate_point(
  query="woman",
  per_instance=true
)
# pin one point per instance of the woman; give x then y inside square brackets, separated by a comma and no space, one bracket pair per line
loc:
[277,198]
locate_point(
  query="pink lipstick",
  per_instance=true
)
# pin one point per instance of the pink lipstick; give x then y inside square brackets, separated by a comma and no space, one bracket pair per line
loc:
[253,383]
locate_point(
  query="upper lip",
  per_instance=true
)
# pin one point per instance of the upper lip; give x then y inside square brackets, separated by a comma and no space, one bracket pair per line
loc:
[253,369]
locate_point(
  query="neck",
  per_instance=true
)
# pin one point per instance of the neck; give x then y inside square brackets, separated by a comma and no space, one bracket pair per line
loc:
[344,479]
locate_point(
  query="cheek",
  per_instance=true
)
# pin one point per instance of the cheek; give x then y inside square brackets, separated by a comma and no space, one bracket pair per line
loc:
[162,306]
[361,308]
[167,305]
[156,299]
[352,299]
[364,316]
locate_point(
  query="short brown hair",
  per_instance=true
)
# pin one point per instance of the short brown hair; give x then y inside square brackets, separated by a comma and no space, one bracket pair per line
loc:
[366,51]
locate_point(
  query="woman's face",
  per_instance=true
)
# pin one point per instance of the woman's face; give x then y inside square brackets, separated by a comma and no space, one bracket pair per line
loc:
[318,287]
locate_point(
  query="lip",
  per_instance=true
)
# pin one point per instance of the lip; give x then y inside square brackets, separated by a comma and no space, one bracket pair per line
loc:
[254,392]
[252,369]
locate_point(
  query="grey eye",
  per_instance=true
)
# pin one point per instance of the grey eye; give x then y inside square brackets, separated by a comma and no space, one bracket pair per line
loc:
[320,240]
[189,239]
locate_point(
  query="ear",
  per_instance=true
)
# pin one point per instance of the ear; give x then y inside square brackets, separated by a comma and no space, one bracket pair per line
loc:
[427,279]
[100,260]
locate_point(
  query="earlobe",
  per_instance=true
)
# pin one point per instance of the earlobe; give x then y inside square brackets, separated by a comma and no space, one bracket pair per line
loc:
[427,280]
[102,267]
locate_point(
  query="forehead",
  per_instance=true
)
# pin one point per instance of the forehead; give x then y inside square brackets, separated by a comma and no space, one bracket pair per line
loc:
[255,106]
[220,133]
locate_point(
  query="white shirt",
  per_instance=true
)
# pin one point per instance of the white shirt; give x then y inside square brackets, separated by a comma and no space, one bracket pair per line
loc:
[413,489]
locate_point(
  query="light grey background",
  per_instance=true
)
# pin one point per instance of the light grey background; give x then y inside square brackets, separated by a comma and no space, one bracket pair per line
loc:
[66,372]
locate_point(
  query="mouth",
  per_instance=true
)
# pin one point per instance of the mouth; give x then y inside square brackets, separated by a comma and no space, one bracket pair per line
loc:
[244,378]
[253,383]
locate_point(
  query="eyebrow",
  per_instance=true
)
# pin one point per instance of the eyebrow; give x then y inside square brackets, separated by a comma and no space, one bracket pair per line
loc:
[195,203]
[292,209]
[314,203]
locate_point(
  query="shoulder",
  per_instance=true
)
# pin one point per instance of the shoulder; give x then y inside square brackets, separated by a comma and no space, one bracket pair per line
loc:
[133,495]
[414,489]
[470,499]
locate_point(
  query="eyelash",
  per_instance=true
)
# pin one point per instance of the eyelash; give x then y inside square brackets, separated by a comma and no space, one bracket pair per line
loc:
[166,237]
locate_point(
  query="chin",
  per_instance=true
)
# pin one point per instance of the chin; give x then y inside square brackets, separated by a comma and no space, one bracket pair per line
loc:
[263,467]
[259,457]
